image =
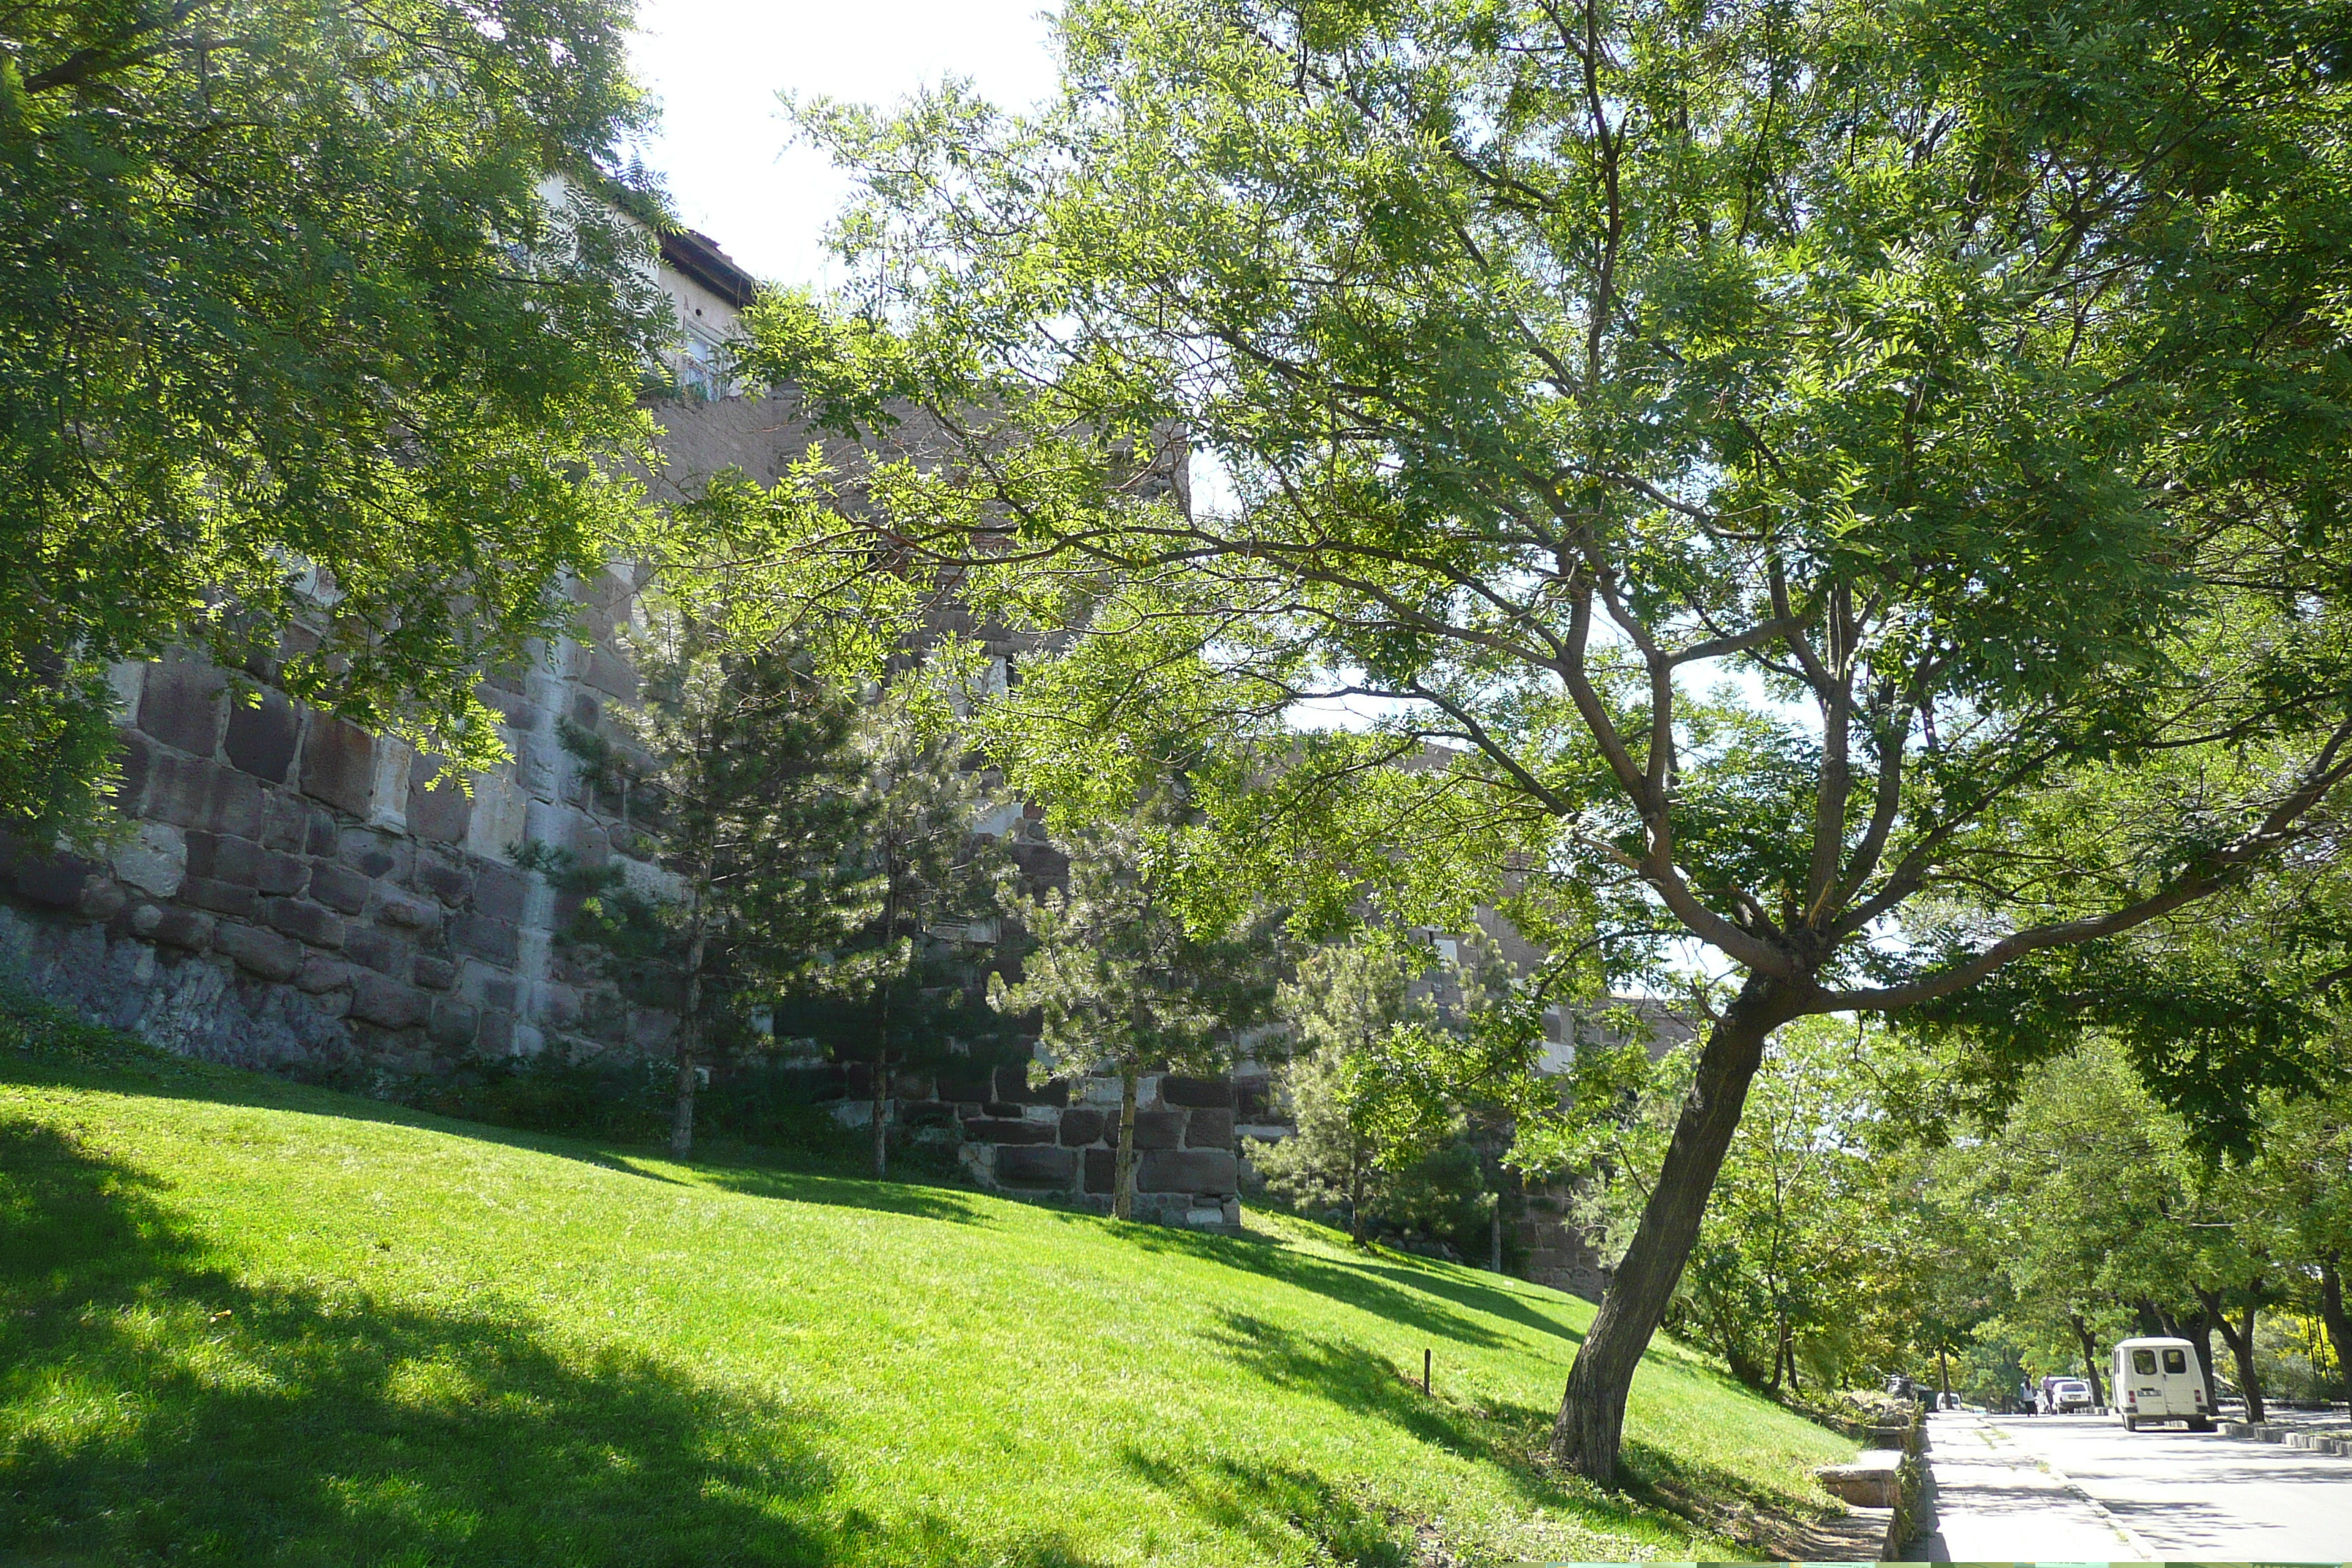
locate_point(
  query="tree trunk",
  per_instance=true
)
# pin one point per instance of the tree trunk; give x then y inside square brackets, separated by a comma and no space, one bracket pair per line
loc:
[2198,1330]
[2239,1338]
[1592,1408]
[2089,1358]
[1494,1237]
[1943,1372]
[689,1038]
[881,1112]
[2151,1322]
[1356,1188]
[1122,1188]
[2331,1312]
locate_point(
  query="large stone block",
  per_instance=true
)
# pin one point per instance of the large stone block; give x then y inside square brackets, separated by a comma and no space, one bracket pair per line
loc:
[1216,1092]
[491,988]
[261,736]
[995,1129]
[221,898]
[964,1083]
[154,860]
[454,1022]
[305,921]
[439,810]
[136,760]
[500,891]
[320,973]
[501,811]
[1157,1129]
[1209,1129]
[610,673]
[191,930]
[1080,1128]
[286,823]
[246,863]
[102,897]
[444,879]
[434,973]
[386,1002]
[264,953]
[1102,1169]
[1036,1167]
[338,765]
[1012,1085]
[180,704]
[187,793]
[54,881]
[1188,1171]
[373,854]
[340,888]
[394,907]
[379,950]
[494,941]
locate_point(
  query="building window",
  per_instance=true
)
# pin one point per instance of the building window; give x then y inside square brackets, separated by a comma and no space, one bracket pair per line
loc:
[701,369]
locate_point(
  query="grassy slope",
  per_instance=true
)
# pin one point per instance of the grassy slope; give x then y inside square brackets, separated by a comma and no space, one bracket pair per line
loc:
[244,1321]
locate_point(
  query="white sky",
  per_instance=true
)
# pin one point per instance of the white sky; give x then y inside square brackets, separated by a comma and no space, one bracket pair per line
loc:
[717,65]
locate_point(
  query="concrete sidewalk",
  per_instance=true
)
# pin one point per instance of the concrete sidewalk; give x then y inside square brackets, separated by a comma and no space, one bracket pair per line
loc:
[1988,1500]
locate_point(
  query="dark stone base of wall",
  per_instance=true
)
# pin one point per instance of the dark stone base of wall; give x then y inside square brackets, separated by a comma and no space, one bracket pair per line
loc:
[195,1005]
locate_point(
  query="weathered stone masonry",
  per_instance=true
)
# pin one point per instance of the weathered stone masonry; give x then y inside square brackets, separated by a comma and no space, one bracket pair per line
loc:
[300,894]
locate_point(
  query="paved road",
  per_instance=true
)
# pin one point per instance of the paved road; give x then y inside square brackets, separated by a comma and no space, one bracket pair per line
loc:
[2081,1489]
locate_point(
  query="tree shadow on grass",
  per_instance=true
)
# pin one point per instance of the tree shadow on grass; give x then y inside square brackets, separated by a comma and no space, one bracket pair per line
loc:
[1280,1506]
[1719,1499]
[142,1070]
[942,1203]
[1508,1440]
[1495,1300]
[1352,1287]
[153,1408]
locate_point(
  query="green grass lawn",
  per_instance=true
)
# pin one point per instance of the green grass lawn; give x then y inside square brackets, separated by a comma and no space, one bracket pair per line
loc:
[244,1322]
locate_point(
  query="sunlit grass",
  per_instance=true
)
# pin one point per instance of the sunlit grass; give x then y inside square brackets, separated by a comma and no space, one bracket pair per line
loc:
[243,1321]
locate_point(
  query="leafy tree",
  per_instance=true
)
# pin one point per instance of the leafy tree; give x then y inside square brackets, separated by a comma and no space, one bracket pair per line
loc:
[1813,1252]
[1345,1004]
[1382,1086]
[1972,376]
[904,984]
[1122,981]
[297,363]
[736,777]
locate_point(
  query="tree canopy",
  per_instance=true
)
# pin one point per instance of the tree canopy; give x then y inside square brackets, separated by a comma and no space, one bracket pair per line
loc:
[303,357]
[1795,451]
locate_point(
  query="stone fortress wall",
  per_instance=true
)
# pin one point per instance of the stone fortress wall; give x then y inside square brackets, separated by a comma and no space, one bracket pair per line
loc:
[300,895]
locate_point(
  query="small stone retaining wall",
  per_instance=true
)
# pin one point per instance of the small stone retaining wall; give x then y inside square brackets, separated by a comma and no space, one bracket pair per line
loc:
[1050,1143]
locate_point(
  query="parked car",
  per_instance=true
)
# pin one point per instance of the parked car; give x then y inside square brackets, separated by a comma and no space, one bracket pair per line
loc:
[2066,1397]
[2159,1380]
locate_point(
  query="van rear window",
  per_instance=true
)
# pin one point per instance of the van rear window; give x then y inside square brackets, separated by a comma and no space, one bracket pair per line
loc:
[2176,1361]
[2144,1362]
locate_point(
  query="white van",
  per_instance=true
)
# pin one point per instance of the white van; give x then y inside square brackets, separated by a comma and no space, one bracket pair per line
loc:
[2159,1380]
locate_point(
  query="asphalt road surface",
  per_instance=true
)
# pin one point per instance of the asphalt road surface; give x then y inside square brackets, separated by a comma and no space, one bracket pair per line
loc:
[2081,1489]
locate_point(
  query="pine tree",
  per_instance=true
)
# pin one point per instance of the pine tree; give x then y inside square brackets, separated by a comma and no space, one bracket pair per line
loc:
[738,777]
[903,985]
[1121,981]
